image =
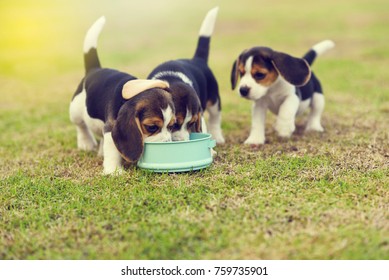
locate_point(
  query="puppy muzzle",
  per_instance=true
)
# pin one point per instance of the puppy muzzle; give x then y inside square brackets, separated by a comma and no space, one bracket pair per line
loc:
[167,138]
[159,138]
[180,136]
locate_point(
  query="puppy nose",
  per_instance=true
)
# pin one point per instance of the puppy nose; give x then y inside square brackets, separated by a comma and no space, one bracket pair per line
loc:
[244,91]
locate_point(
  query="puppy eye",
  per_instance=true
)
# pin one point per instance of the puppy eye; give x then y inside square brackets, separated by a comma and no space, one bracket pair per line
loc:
[259,76]
[174,127]
[151,128]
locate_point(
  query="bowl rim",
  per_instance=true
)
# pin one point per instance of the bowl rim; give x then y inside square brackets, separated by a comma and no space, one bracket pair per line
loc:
[207,136]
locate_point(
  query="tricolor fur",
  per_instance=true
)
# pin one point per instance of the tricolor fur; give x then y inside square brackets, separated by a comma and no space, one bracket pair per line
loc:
[121,109]
[194,87]
[281,83]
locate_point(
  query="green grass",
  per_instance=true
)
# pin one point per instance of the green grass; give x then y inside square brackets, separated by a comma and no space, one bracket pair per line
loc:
[315,196]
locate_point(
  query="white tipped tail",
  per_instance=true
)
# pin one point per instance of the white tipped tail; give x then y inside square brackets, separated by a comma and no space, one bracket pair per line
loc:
[208,24]
[92,35]
[323,46]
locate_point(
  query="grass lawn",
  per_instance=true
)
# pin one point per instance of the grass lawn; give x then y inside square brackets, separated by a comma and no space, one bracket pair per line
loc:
[314,196]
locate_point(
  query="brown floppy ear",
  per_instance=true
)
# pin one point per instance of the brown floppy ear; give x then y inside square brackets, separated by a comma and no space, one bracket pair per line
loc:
[127,134]
[235,69]
[134,87]
[198,123]
[294,70]
[234,73]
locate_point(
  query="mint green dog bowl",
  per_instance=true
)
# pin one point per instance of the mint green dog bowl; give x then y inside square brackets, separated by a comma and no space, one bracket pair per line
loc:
[178,156]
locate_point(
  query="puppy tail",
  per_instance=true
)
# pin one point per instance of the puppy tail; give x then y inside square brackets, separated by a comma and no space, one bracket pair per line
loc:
[91,59]
[206,30]
[318,50]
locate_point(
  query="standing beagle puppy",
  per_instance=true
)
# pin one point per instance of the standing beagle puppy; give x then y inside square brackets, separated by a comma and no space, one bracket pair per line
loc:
[121,109]
[194,87]
[281,83]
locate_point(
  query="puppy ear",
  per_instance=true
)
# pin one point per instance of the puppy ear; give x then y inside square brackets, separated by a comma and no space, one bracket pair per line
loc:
[234,73]
[127,134]
[235,69]
[295,70]
[198,123]
[134,87]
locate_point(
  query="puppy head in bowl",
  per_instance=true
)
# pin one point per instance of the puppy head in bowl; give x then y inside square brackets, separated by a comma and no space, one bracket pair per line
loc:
[148,115]
[188,111]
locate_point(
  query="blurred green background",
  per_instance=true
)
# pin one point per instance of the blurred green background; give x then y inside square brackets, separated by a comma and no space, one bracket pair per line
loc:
[41,41]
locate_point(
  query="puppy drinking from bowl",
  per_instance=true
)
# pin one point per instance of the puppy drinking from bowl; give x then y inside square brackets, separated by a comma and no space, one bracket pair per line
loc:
[121,109]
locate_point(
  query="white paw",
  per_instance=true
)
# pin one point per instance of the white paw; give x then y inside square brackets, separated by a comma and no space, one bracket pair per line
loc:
[213,153]
[86,145]
[285,128]
[217,135]
[113,171]
[314,127]
[254,140]
[220,139]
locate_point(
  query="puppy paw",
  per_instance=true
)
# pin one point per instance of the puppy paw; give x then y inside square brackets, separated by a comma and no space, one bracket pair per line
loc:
[254,140]
[213,153]
[314,127]
[218,137]
[220,140]
[285,128]
[113,171]
[86,146]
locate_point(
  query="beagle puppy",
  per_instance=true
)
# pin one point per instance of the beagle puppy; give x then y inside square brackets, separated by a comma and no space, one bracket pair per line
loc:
[121,109]
[194,87]
[281,83]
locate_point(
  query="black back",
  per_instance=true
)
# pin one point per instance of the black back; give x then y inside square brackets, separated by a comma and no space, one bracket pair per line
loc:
[104,92]
[198,72]
[305,92]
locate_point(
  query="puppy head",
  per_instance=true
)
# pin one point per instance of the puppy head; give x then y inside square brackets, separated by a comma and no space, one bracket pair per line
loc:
[259,69]
[148,115]
[188,111]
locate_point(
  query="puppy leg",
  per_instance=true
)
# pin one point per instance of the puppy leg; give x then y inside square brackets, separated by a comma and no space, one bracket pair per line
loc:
[112,158]
[203,125]
[214,123]
[285,123]
[314,118]
[100,153]
[77,113]
[85,138]
[257,132]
